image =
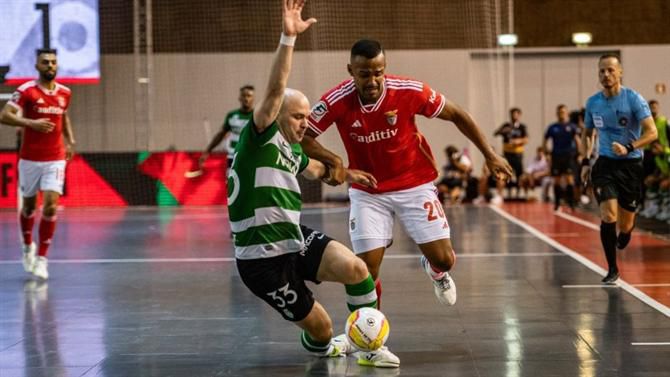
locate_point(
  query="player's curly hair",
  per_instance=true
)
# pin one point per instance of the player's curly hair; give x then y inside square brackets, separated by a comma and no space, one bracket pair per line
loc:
[41,51]
[367,48]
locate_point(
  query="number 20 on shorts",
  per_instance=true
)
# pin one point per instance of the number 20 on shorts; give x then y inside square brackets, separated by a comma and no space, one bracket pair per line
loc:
[434,209]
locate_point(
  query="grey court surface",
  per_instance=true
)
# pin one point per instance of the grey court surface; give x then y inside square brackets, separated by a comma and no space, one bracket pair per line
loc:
[155,292]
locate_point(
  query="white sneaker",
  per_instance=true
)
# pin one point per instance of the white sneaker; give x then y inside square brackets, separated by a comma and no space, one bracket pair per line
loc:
[663,215]
[29,256]
[497,200]
[381,358]
[342,343]
[339,347]
[445,288]
[479,200]
[40,269]
[650,210]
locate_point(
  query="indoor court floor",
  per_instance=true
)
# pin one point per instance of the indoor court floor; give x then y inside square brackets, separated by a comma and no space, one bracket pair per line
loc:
[155,292]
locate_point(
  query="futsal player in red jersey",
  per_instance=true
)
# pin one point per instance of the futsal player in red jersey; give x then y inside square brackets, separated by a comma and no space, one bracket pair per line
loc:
[374,114]
[40,108]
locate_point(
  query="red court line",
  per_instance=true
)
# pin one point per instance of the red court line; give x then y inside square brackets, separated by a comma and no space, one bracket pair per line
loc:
[646,260]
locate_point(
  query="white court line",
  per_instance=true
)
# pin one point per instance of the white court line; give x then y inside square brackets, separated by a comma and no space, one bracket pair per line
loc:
[586,262]
[590,286]
[577,220]
[199,260]
[131,260]
[650,344]
[478,255]
[316,211]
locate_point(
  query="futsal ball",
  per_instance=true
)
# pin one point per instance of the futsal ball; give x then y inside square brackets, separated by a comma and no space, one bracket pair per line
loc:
[367,329]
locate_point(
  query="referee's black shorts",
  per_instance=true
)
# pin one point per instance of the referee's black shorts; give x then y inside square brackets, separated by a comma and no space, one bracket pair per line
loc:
[618,179]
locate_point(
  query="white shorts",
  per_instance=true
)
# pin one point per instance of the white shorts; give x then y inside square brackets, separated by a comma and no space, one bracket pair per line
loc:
[37,176]
[419,210]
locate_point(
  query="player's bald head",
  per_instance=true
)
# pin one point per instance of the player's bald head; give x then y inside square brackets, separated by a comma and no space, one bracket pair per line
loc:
[293,99]
[293,115]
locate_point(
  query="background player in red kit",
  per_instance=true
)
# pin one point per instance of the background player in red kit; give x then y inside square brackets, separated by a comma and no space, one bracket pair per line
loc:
[374,113]
[40,108]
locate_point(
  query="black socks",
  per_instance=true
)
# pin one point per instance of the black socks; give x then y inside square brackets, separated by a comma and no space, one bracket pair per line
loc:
[608,238]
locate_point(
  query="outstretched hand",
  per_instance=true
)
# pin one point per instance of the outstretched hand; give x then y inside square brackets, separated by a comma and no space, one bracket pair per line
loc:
[293,22]
[335,175]
[361,177]
[499,168]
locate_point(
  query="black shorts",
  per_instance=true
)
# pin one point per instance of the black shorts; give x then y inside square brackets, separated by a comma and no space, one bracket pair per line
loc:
[515,160]
[280,280]
[618,179]
[562,164]
[451,182]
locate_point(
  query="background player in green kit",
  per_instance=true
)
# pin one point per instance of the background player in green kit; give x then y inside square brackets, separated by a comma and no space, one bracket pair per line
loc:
[275,255]
[232,125]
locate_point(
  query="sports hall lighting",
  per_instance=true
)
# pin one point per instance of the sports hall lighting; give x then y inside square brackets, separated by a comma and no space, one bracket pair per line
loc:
[581,39]
[507,39]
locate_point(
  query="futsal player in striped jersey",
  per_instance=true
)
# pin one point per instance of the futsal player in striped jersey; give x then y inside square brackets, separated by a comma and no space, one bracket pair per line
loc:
[274,253]
[375,116]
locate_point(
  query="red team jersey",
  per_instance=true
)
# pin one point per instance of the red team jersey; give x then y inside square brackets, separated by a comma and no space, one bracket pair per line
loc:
[37,102]
[382,138]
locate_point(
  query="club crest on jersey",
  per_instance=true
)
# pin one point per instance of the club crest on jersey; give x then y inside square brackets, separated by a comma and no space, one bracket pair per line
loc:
[61,101]
[352,224]
[433,96]
[319,110]
[623,121]
[392,117]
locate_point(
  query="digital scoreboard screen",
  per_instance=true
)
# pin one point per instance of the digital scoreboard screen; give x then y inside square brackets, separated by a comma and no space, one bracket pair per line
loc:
[69,26]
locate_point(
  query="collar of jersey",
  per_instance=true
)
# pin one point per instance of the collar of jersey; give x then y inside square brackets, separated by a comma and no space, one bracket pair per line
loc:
[45,90]
[377,104]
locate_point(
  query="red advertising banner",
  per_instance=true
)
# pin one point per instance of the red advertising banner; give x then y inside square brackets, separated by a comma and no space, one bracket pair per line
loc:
[122,179]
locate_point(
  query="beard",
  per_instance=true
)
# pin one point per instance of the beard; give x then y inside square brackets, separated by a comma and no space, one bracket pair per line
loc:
[48,76]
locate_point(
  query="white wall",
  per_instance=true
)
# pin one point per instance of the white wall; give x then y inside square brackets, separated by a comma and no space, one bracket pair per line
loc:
[188,89]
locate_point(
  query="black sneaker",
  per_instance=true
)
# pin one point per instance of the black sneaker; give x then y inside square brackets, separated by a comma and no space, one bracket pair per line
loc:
[611,277]
[622,240]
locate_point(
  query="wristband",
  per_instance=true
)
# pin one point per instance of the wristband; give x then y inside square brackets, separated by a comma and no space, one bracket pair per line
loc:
[287,40]
[586,161]
[630,147]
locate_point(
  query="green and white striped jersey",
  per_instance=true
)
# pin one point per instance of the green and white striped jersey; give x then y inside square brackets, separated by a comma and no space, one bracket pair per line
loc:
[235,122]
[263,194]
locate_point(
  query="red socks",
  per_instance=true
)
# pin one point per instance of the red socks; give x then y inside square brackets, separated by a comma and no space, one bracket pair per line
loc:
[378,289]
[27,227]
[47,228]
